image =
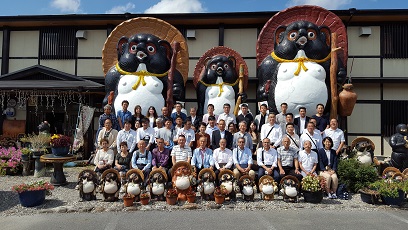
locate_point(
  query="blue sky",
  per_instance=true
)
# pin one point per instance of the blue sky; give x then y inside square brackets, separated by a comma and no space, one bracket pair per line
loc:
[46,7]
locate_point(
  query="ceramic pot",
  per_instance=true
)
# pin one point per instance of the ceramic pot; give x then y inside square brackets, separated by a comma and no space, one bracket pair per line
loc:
[32,198]
[313,197]
[128,200]
[394,200]
[144,201]
[191,198]
[347,100]
[219,199]
[171,200]
[60,151]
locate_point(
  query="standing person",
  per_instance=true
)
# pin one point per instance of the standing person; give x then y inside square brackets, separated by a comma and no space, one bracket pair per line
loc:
[167,134]
[161,156]
[210,112]
[227,116]
[245,116]
[195,120]
[272,131]
[123,159]
[137,115]
[302,120]
[165,114]
[232,128]
[104,157]
[202,157]
[315,129]
[336,135]
[242,134]
[127,135]
[222,157]
[314,138]
[181,152]
[178,113]
[288,160]
[124,114]
[201,133]
[107,109]
[294,138]
[242,157]
[322,122]
[281,117]
[219,134]
[178,126]
[255,137]
[211,127]
[262,117]
[267,159]
[146,134]
[328,166]
[110,134]
[159,125]
[308,159]
[142,159]
[188,132]
[289,119]
[152,116]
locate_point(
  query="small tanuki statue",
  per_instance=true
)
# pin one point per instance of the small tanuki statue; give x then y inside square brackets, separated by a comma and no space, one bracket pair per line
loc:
[110,182]
[290,188]
[206,184]
[363,149]
[267,187]
[157,184]
[183,179]
[247,187]
[134,184]
[87,183]
[227,180]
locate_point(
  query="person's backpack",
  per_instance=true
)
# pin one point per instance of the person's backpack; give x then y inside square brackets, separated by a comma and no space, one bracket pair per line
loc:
[342,192]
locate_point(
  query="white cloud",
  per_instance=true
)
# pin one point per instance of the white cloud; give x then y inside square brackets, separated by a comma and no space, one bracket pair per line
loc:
[328,4]
[176,6]
[66,6]
[121,9]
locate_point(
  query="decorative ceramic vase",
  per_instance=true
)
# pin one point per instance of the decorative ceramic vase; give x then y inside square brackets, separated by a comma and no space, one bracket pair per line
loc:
[191,198]
[313,197]
[60,151]
[144,201]
[32,198]
[394,200]
[171,200]
[128,200]
[219,199]
[347,100]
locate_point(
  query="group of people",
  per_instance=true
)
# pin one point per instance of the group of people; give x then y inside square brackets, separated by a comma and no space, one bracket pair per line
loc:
[269,144]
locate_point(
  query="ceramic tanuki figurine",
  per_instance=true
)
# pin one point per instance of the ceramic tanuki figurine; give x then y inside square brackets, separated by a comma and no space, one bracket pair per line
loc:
[134,184]
[206,183]
[247,187]
[110,182]
[157,184]
[294,64]
[144,62]
[217,79]
[183,179]
[267,187]
[87,183]
[364,150]
[227,180]
[290,188]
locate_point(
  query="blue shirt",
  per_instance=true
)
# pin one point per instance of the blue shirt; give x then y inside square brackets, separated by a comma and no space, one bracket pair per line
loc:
[242,156]
[175,115]
[142,159]
[124,116]
[197,159]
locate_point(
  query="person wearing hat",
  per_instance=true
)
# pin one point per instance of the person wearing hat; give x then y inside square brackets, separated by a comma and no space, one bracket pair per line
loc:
[336,135]
[242,158]
[245,116]
[211,127]
[181,152]
[142,159]
[202,156]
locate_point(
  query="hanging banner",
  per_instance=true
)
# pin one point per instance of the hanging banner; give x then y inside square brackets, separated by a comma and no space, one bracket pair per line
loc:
[84,121]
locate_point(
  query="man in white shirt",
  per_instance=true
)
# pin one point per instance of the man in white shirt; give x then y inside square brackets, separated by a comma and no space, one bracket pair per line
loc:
[294,138]
[227,116]
[302,120]
[336,135]
[308,159]
[267,159]
[314,138]
[188,132]
[289,119]
[211,127]
[242,157]
[272,131]
[145,133]
[222,157]
[128,135]
[210,112]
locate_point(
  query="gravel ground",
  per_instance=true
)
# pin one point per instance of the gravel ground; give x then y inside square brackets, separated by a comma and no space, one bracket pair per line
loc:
[66,199]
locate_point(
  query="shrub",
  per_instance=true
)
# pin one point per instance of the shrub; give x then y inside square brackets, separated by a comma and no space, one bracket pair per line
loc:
[355,175]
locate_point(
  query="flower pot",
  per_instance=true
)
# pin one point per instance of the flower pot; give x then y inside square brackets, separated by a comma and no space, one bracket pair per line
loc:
[313,197]
[128,201]
[191,198]
[369,197]
[32,198]
[219,199]
[347,100]
[60,151]
[171,200]
[38,153]
[145,201]
[394,200]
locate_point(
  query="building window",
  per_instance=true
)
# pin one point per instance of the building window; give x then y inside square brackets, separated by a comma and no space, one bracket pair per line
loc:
[392,114]
[57,43]
[394,41]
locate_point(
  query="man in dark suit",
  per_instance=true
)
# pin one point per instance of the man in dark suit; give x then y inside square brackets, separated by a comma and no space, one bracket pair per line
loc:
[195,120]
[302,120]
[221,133]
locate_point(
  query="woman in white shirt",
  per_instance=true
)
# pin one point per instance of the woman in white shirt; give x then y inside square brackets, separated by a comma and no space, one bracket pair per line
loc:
[104,157]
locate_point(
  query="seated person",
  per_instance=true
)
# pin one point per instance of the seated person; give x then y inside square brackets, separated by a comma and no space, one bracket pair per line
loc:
[104,157]
[288,160]
[122,159]
[222,157]
[267,159]
[142,159]
[181,152]
[328,167]
[242,157]
[161,156]
[202,156]
[308,159]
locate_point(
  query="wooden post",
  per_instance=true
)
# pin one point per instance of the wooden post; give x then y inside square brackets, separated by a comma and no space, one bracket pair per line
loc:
[333,76]
[169,101]
[240,88]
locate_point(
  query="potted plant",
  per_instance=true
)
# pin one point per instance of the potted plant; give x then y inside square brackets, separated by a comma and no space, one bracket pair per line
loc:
[10,161]
[38,143]
[26,154]
[191,197]
[313,187]
[219,194]
[369,195]
[171,196]
[392,191]
[355,175]
[60,144]
[128,199]
[144,198]
[32,194]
